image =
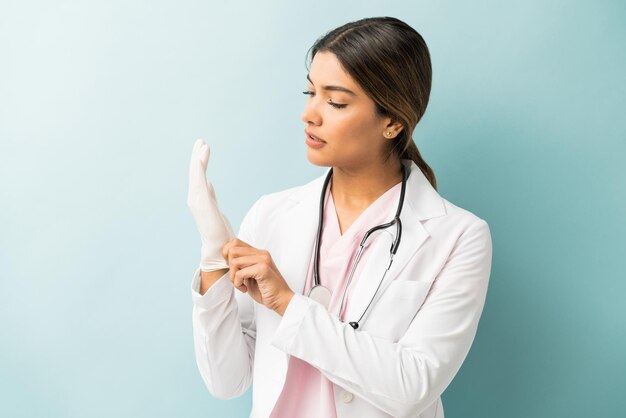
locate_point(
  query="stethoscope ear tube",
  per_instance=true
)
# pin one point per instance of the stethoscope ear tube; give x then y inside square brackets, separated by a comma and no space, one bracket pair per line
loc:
[319,229]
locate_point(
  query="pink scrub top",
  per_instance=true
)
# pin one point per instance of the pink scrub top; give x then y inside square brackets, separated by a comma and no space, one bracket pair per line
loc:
[307,392]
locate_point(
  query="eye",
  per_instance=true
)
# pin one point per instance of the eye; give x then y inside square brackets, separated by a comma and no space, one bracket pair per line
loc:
[335,105]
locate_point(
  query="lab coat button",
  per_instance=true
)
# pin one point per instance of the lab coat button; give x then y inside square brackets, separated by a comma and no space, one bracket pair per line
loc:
[346,396]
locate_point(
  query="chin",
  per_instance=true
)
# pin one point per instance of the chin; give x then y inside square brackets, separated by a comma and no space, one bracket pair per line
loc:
[318,160]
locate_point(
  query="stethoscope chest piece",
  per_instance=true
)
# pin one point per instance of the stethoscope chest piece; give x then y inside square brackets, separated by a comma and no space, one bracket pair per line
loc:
[320,294]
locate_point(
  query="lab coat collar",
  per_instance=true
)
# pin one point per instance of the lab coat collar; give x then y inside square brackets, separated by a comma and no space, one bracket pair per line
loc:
[422,202]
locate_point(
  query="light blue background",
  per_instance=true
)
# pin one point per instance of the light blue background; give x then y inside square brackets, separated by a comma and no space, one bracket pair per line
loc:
[101,102]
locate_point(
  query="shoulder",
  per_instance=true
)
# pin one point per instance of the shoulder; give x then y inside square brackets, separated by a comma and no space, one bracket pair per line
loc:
[438,215]
[460,226]
[457,214]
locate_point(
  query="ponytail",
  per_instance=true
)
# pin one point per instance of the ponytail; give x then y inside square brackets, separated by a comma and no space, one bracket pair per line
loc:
[412,153]
[407,150]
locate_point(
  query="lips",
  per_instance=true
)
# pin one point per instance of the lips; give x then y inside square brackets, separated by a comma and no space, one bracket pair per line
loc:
[313,136]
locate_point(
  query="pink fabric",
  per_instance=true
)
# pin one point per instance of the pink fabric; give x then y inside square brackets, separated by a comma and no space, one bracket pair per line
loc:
[307,392]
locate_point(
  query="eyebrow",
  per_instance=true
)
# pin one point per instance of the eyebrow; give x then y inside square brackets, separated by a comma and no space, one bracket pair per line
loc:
[333,88]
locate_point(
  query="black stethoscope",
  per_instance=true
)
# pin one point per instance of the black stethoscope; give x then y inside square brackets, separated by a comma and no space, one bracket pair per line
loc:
[321,293]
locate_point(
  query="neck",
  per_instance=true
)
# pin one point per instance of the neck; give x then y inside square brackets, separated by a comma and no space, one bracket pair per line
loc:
[357,188]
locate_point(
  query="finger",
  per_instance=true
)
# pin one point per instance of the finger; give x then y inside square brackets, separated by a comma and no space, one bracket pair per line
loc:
[229,252]
[196,151]
[238,246]
[245,273]
[196,146]
[241,262]
[205,152]
[234,250]
[197,172]
[251,286]
[232,268]
[243,288]
[226,248]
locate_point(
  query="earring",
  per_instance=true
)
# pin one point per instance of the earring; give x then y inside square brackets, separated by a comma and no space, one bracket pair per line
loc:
[389,133]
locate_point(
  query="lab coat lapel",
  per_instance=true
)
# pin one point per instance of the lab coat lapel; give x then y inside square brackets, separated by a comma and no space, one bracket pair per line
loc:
[300,232]
[421,202]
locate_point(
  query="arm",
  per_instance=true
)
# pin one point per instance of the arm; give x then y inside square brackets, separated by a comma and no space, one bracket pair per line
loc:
[224,329]
[405,377]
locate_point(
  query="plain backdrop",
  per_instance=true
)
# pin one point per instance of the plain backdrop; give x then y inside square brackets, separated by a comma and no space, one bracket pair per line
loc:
[100,103]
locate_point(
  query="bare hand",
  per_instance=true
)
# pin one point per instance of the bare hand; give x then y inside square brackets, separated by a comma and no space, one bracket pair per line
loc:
[253,271]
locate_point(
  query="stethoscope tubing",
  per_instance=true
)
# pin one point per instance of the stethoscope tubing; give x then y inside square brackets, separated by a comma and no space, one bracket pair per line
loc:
[392,250]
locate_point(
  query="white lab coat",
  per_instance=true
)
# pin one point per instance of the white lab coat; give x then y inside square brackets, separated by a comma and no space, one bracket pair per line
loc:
[408,347]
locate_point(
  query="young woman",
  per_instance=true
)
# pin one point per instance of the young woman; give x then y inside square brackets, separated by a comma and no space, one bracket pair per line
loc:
[360,292]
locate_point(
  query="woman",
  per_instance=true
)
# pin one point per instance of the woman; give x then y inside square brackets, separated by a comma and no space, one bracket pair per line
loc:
[391,319]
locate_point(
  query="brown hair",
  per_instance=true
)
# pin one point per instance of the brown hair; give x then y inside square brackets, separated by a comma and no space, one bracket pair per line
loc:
[390,61]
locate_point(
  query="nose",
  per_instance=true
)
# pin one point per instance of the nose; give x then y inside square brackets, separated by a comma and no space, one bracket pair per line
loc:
[310,113]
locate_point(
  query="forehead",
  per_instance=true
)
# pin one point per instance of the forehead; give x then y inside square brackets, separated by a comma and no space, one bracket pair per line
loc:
[326,69]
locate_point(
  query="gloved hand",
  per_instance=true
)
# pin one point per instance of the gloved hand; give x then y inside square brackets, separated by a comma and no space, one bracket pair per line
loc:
[214,228]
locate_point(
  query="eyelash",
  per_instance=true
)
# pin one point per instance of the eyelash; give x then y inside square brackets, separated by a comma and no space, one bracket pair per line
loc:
[335,105]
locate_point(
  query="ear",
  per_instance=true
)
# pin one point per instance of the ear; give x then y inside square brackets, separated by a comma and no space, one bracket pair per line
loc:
[393,127]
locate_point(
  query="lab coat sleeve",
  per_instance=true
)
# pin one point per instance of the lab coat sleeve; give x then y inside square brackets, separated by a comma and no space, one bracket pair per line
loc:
[401,378]
[224,328]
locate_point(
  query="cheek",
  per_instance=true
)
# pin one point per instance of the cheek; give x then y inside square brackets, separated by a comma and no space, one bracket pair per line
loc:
[359,132]
[350,126]
[354,144]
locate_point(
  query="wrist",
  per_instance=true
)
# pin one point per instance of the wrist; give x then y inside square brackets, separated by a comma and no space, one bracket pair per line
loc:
[282,307]
[208,279]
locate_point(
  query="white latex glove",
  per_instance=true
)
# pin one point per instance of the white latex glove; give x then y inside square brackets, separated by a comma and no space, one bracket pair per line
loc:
[214,228]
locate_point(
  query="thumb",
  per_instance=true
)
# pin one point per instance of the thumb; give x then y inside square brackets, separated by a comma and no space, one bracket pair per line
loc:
[229,228]
[205,152]
[211,191]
